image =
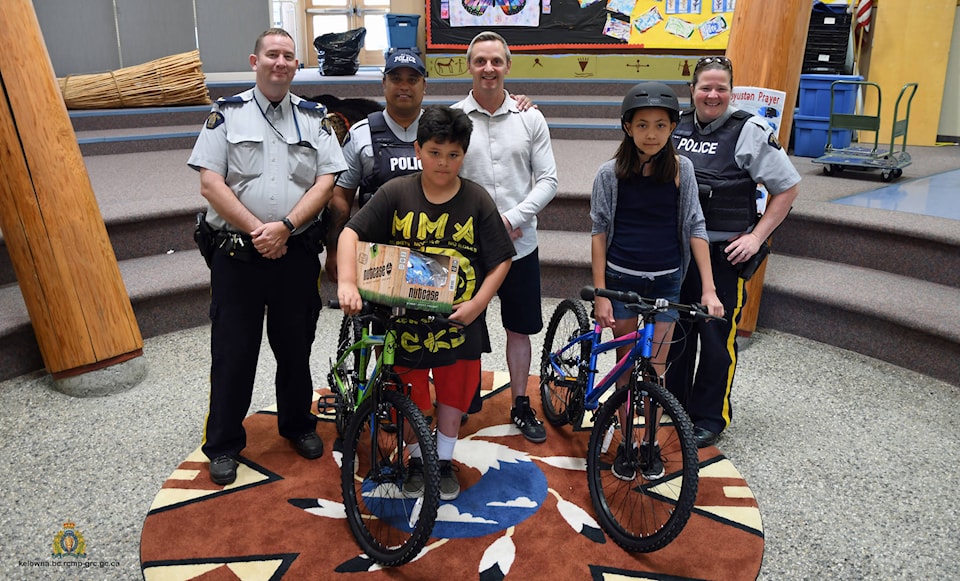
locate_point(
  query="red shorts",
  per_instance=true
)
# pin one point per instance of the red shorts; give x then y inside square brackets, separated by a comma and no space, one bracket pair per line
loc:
[455,384]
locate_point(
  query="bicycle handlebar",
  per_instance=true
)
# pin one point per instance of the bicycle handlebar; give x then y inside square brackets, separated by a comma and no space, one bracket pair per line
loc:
[646,307]
[371,311]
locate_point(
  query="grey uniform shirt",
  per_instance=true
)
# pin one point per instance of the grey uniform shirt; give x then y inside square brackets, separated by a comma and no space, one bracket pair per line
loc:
[269,156]
[358,149]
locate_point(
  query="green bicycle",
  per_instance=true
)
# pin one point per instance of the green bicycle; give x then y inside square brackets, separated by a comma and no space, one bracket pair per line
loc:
[377,423]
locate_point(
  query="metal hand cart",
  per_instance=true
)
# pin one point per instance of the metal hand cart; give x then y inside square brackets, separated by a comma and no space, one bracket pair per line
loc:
[889,162]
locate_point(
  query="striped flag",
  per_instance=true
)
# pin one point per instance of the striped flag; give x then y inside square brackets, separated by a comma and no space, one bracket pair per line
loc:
[863,14]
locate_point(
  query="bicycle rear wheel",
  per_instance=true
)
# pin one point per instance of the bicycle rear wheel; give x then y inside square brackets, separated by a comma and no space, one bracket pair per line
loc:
[563,376]
[389,527]
[641,511]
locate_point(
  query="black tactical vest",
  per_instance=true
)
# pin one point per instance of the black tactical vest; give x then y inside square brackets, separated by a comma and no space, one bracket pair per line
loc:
[728,195]
[391,157]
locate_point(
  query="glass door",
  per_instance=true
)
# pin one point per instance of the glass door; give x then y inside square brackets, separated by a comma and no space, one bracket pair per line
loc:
[325,16]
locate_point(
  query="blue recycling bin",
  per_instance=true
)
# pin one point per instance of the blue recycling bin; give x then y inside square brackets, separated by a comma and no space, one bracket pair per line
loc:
[815,95]
[402,30]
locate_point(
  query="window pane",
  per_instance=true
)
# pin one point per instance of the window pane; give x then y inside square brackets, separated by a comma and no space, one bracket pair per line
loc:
[376,25]
[324,23]
[329,3]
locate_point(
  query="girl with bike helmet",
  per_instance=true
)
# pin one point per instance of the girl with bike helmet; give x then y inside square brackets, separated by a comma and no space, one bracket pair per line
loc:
[647,222]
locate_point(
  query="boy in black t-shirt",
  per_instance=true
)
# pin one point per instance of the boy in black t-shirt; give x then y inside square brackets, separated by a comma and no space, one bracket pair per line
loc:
[437,212]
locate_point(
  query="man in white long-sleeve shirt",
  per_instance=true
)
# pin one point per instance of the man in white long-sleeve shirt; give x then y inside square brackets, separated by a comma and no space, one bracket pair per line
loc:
[510,155]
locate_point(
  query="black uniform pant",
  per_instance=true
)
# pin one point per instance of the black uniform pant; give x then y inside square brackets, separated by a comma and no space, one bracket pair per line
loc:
[286,289]
[703,384]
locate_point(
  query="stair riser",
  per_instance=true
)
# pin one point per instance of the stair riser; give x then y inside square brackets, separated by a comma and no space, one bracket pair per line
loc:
[137,145]
[83,121]
[454,87]
[859,332]
[146,237]
[894,252]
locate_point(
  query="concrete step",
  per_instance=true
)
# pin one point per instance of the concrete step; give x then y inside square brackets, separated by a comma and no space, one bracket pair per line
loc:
[168,292]
[908,322]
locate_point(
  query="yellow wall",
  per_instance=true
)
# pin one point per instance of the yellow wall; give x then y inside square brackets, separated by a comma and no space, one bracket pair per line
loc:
[910,44]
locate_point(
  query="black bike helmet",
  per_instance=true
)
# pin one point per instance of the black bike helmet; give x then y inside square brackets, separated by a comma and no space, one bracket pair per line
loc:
[650,94]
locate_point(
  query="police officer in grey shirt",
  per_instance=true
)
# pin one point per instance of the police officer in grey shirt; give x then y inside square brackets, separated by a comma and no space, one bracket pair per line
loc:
[267,161]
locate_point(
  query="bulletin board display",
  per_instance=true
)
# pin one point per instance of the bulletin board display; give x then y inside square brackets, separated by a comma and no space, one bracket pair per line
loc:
[697,25]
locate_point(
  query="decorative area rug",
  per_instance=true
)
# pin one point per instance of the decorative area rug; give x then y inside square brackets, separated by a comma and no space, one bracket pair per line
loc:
[524,513]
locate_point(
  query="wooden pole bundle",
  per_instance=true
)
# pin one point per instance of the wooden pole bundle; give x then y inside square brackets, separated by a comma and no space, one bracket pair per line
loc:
[172,80]
[58,244]
[767,41]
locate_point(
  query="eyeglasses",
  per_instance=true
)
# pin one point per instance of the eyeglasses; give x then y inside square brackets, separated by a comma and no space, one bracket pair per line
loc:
[720,60]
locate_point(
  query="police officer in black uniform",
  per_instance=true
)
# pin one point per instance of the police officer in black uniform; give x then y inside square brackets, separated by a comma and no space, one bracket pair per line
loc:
[267,161]
[732,151]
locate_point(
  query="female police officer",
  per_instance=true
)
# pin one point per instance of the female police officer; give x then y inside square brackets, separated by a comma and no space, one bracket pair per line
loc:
[732,151]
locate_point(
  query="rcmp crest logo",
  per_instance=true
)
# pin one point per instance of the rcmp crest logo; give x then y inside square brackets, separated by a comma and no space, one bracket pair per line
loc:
[69,542]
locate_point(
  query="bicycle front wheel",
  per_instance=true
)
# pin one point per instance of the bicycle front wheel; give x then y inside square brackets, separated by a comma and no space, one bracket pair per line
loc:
[563,375]
[389,527]
[643,494]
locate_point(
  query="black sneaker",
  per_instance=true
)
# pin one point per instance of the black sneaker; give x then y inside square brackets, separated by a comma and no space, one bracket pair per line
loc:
[449,484]
[309,445]
[223,470]
[526,419]
[624,468]
[651,464]
[413,485]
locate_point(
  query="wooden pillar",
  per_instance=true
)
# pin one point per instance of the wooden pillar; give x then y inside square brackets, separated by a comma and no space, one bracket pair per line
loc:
[767,41]
[58,244]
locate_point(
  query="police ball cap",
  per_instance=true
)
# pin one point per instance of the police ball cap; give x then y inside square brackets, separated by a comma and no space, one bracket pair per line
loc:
[650,94]
[402,58]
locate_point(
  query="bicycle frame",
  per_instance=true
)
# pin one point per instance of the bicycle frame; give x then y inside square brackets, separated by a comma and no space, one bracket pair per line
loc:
[383,362]
[642,341]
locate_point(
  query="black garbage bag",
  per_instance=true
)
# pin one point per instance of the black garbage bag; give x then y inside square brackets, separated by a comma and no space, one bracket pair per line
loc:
[339,52]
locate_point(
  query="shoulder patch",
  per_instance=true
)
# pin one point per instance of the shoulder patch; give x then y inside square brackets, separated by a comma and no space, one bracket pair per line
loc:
[214,119]
[325,125]
[234,100]
[772,141]
[311,106]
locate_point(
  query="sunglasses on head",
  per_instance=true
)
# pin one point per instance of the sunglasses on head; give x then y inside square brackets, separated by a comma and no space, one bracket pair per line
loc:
[720,60]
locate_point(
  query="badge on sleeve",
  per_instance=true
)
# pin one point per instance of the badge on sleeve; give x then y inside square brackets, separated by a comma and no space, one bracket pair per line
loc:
[772,141]
[325,125]
[214,119]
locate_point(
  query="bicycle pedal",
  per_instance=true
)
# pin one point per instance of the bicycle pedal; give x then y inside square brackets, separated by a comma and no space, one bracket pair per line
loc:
[327,404]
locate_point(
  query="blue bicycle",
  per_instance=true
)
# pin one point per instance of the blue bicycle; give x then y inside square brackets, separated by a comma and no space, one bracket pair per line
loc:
[642,460]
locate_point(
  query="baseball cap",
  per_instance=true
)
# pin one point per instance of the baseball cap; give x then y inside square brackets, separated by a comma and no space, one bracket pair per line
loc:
[404,58]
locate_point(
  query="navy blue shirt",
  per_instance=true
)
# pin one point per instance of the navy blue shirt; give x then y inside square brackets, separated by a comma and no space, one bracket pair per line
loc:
[646,226]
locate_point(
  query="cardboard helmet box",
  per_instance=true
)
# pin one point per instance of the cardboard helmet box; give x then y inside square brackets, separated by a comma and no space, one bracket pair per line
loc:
[398,276]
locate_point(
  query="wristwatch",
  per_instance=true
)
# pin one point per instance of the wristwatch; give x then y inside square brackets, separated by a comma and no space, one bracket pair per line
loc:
[289,224]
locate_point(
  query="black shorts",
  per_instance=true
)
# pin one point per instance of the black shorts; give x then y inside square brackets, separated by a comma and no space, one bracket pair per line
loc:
[520,306]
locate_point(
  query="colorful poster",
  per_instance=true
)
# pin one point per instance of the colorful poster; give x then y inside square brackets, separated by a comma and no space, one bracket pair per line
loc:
[536,25]
[493,13]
